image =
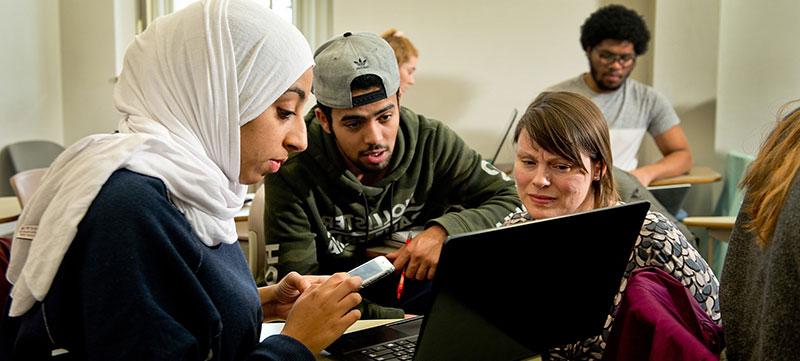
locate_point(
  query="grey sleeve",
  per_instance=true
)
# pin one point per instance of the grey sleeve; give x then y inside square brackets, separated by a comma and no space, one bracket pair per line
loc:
[662,115]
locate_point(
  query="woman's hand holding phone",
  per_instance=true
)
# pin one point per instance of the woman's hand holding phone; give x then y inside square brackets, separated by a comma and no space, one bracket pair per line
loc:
[323,312]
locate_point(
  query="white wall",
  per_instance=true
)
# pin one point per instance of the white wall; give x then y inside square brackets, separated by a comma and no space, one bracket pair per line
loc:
[89,61]
[30,74]
[478,59]
[30,98]
[759,70]
[685,49]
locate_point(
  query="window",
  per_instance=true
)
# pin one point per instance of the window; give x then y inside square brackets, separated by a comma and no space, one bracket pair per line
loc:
[284,8]
[149,10]
[180,4]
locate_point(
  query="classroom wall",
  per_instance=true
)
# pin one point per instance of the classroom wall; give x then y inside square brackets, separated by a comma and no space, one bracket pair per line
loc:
[758,70]
[30,75]
[89,61]
[685,59]
[59,61]
[478,61]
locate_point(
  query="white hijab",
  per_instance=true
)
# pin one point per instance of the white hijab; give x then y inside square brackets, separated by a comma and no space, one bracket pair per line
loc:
[188,84]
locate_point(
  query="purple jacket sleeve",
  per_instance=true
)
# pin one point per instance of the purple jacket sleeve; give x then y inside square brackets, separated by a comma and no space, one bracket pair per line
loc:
[659,320]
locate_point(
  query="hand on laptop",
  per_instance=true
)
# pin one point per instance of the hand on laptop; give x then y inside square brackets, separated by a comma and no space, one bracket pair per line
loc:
[324,311]
[420,256]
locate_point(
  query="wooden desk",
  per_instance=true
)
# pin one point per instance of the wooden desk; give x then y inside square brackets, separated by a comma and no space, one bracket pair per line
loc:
[722,222]
[718,227]
[697,175]
[243,214]
[9,209]
[376,251]
[241,218]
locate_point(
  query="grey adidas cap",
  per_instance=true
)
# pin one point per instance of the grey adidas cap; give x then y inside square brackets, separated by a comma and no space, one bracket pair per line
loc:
[345,57]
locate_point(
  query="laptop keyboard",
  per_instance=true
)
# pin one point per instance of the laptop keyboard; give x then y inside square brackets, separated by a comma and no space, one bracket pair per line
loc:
[397,350]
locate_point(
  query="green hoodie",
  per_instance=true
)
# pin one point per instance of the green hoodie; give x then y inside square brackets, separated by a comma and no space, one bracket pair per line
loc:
[316,208]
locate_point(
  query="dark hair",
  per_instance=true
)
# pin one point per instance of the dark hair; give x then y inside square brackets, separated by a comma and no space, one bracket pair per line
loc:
[568,124]
[325,110]
[615,22]
[361,82]
[366,81]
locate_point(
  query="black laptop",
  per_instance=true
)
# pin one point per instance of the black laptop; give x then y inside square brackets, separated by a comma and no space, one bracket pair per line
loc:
[509,293]
[671,196]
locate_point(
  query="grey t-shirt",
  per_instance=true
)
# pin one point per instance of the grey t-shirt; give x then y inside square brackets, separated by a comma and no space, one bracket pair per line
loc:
[630,111]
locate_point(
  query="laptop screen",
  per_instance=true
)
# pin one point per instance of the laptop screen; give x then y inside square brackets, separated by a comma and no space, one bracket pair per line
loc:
[508,293]
[671,196]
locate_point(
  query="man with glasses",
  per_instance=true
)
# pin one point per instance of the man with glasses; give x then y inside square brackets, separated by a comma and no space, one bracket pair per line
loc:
[613,37]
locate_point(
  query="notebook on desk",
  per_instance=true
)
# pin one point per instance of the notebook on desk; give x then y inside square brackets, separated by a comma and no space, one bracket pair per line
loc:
[481,309]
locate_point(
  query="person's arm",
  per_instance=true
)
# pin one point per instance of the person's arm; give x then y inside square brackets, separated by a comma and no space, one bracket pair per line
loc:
[144,260]
[487,195]
[291,243]
[136,281]
[677,158]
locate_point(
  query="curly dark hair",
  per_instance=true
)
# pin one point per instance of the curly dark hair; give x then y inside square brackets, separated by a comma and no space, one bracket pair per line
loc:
[615,22]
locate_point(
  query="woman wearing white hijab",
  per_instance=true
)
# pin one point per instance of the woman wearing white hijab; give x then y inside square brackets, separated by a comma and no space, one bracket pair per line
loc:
[128,251]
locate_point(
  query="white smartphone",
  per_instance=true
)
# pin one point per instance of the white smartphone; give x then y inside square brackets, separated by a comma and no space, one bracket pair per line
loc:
[372,270]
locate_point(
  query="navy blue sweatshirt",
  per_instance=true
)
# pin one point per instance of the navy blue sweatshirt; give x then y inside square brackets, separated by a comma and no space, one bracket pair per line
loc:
[138,284]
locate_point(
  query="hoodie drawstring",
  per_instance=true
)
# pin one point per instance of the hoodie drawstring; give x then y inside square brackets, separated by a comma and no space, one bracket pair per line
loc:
[366,216]
[367,212]
[391,209]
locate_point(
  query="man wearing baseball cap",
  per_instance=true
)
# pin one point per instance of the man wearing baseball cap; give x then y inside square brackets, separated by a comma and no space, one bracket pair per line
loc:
[374,169]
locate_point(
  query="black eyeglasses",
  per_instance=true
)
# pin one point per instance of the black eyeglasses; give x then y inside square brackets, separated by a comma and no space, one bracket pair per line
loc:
[608,58]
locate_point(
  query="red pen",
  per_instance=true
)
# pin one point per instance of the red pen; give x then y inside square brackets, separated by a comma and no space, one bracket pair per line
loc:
[403,274]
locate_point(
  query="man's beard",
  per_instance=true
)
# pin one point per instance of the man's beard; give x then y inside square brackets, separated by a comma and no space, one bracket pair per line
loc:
[602,86]
[357,162]
[374,170]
